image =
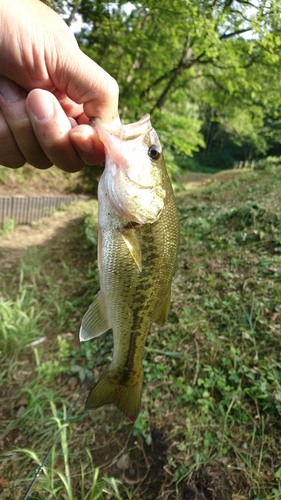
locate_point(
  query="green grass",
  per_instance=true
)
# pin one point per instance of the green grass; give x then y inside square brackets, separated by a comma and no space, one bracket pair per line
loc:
[210,419]
[7,226]
[60,483]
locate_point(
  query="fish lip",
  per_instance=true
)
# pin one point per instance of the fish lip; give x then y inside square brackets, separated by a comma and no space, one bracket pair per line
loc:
[133,130]
[124,132]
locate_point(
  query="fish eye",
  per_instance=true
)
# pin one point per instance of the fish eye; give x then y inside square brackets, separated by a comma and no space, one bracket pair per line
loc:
[154,152]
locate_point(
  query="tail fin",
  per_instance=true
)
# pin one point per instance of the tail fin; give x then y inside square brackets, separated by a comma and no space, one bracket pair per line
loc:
[109,389]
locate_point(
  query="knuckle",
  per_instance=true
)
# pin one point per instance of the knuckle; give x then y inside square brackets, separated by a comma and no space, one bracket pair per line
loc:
[41,163]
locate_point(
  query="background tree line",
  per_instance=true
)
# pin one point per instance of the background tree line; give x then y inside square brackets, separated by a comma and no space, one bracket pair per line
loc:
[208,71]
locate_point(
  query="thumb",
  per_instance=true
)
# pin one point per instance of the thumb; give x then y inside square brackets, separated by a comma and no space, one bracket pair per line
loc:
[75,74]
[38,50]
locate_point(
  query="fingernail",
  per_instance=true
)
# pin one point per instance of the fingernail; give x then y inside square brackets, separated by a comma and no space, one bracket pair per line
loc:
[41,105]
[10,90]
[72,122]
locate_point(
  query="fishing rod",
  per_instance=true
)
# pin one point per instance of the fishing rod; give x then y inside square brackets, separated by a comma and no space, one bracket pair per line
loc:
[41,467]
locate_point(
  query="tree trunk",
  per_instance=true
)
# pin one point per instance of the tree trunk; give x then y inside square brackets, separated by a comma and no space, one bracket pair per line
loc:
[209,138]
[184,63]
[73,12]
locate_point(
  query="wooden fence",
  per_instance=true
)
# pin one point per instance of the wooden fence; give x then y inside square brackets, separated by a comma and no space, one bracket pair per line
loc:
[28,209]
[244,164]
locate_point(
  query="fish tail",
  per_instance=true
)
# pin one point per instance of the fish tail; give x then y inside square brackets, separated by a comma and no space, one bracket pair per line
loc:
[110,389]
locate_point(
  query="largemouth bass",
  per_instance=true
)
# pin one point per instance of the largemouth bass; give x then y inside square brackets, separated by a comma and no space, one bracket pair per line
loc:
[137,250]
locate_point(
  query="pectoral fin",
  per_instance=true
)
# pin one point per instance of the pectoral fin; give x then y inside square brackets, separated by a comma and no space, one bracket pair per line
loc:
[132,241]
[163,310]
[94,322]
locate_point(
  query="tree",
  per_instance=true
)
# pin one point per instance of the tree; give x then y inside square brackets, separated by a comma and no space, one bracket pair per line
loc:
[219,55]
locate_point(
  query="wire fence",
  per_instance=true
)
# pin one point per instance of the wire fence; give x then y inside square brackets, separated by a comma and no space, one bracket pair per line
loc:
[28,209]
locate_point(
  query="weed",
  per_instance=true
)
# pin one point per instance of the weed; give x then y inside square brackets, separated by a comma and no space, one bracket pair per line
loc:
[8,226]
[57,480]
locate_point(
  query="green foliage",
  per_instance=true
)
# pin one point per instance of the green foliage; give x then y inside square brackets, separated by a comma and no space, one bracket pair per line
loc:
[269,163]
[179,133]
[246,126]
[90,229]
[141,428]
[89,179]
[221,56]
[228,325]
[19,318]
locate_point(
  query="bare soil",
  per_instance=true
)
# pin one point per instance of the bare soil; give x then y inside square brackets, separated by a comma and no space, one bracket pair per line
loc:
[14,245]
[195,179]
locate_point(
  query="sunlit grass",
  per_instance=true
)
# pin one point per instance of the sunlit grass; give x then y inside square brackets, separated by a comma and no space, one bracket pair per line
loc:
[56,479]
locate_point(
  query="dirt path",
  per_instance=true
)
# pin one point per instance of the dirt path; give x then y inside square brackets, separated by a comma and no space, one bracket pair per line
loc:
[26,235]
[195,179]
[14,244]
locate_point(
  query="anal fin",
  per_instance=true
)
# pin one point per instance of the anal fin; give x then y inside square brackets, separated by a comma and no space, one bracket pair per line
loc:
[94,322]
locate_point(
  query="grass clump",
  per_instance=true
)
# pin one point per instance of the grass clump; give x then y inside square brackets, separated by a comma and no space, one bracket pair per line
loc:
[7,226]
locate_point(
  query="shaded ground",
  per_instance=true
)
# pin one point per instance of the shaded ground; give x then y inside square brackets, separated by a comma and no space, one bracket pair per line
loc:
[28,180]
[14,245]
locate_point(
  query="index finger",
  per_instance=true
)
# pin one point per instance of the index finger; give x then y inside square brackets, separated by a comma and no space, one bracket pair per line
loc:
[88,84]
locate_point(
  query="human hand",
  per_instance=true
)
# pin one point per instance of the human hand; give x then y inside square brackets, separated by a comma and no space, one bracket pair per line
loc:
[49,91]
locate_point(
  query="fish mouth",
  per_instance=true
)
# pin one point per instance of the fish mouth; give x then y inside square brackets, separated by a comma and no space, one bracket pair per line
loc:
[123,132]
[134,130]
[126,148]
